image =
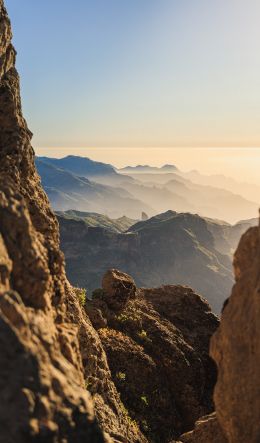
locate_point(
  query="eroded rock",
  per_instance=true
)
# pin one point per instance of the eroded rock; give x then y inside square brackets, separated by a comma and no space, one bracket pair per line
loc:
[236,349]
[49,348]
[157,350]
[207,430]
[118,288]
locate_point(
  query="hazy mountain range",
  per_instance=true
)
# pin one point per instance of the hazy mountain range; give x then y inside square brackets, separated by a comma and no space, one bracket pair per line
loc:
[67,190]
[148,169]
[169,248]
[82,184]
[93,219]
[98,208]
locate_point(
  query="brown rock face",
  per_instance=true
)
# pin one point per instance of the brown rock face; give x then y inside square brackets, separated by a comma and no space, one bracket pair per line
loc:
[236,349]
[49,349]
[157,350]
[118,288]
[207,430]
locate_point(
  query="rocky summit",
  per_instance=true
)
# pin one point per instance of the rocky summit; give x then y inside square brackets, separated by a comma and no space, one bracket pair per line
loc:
[156,342]
[131,365]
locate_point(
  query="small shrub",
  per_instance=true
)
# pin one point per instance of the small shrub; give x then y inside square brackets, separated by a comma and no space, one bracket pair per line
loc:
[142,334]
[81,293]
[122,318]
[144,400]
[121,376]
[130,317]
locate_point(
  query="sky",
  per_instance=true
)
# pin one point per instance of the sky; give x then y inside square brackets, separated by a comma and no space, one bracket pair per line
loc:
[139,74]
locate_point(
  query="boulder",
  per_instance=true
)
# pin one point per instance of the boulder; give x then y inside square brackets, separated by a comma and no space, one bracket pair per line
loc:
[118,288]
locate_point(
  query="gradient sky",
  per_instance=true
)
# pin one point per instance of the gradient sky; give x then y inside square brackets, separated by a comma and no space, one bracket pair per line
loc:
[122,73]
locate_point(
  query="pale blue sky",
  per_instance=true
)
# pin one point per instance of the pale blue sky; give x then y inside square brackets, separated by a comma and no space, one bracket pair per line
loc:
[139,72]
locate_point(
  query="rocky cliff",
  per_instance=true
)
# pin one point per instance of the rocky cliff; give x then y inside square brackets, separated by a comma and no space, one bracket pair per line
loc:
[156,341]
[170,248]
[236,350]
[48,346]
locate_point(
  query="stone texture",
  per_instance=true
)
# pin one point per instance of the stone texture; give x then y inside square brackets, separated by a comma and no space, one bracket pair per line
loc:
[118,288]
[157,350]
[236,350]
[207,430]
[49,349]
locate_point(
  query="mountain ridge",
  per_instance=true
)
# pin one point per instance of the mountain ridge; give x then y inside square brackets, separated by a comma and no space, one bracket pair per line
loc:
[162,250]
[158,192]
[69,191]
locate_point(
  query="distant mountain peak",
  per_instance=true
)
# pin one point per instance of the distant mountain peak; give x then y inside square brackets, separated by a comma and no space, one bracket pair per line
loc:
[150,169]
[82,166]
[171,167]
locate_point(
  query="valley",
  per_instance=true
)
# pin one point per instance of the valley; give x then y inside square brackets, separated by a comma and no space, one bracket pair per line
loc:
[170,248]
[184,240]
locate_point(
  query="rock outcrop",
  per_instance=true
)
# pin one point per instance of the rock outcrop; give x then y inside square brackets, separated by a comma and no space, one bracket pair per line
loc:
[48,346]
[207,430]
[156,341]
[118,289]
[236,350]
[169,248]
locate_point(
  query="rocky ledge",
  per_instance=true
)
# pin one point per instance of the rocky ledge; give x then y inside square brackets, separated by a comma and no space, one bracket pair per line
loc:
[157,343]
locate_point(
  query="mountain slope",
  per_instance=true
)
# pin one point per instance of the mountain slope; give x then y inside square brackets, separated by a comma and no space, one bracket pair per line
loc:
[148,169]
[207,201]
[81,166]
[93,219]
[249,191]
[170,248]
[158,189]
[85,167]
[155,360]
[215,202]
[69,191]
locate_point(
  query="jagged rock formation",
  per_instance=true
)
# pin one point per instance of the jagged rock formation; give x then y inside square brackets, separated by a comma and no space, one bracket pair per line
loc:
[207,430]
[235,348]
[156,341]
[144,216]
[95,220]
[48,346]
